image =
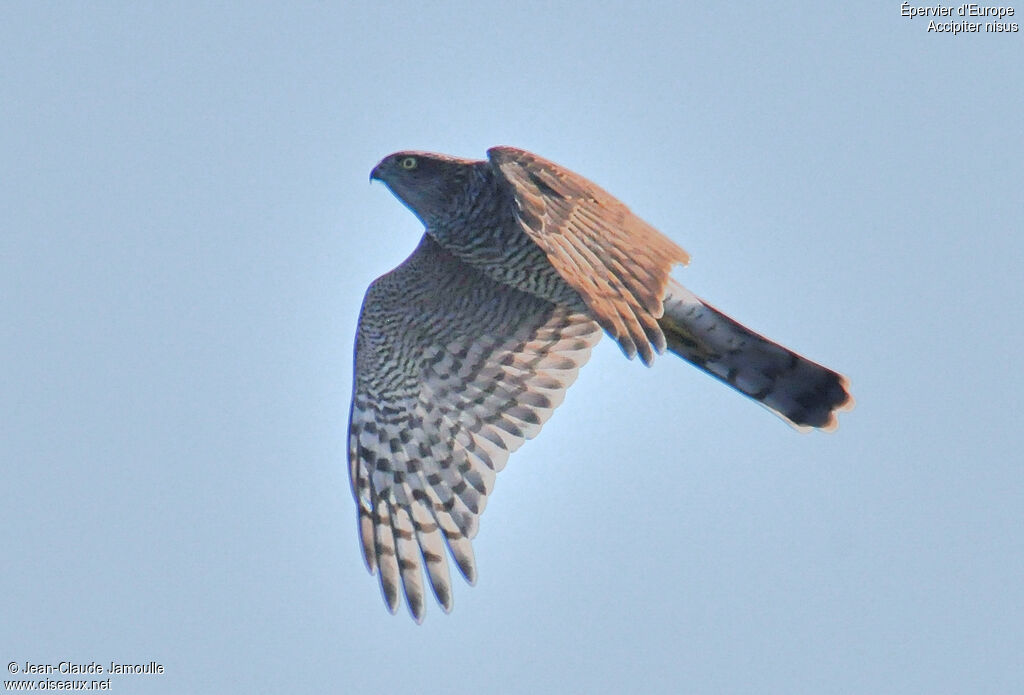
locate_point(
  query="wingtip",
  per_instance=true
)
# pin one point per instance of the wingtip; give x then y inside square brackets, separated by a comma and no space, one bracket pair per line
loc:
[417,610]
[468,570]
[443,594]
[390,593]
[366,540]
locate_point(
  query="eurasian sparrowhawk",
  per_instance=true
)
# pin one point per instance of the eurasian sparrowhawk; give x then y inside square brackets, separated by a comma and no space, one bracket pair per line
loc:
[465,349]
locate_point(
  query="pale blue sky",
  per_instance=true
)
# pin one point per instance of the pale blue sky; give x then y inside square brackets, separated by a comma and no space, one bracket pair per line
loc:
[187,232]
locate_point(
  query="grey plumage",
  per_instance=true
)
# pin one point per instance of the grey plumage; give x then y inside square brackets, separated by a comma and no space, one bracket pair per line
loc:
[464,350]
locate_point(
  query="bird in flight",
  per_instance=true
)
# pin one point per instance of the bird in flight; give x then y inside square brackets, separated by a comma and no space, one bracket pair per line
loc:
[465,349]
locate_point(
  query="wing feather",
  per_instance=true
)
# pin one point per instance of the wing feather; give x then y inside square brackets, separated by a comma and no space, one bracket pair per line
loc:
[617,262]
[453,373]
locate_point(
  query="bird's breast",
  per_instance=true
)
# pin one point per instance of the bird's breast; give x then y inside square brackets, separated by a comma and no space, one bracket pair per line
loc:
[504,253]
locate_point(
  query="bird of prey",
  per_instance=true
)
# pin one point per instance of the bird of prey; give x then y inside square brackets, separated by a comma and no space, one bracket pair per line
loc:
[464,350]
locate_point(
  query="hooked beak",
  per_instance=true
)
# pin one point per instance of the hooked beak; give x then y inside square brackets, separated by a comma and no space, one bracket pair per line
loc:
[375,174]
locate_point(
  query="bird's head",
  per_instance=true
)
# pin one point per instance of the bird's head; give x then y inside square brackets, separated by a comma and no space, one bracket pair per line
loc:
[429,184]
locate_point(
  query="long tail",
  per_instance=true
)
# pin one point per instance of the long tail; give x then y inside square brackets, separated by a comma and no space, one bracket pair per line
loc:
[802,392]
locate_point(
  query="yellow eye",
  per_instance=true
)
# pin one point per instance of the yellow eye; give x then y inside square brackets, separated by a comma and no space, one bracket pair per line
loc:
[408,163]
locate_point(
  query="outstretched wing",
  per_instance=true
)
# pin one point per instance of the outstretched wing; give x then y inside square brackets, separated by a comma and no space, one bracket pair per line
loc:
[453,371]
[617,262]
